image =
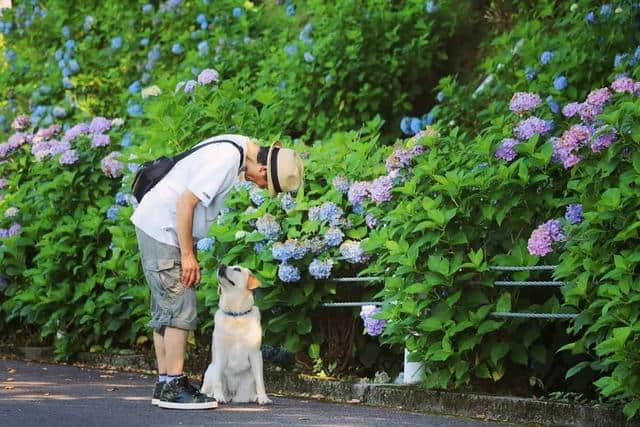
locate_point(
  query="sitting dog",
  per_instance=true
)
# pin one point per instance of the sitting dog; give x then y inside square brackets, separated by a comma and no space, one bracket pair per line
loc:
[235,372]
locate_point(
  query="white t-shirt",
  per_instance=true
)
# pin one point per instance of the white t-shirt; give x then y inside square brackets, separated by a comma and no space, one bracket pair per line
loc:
[209,173]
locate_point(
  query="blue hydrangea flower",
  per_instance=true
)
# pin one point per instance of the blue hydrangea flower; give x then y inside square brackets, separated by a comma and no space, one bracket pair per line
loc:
[431,7]
[309,57]
[135,110]
[416,125]
[268,226]
[122,198]
[553,105]
[237,12]
[144,42]
[88,22]
[341,183]
[530,73]
[291,9]
[287,202]
[74,66]
[428,119]
[371,220]
[328,211]
[203,48]
[112,212]
[66,33]
[288,273]
[573,214]
[258,247]
[334,237]
[405,125]
[59,112]
[440,96]
[126,139]
[66,83]
[205,245]
[177,49]
[58,55]
[135,87]
[116,43]
[291,49]
[590,18]
[560,83]
[257,196]
[305,34]
[69,45]
[283,251]
[147,8]
[619,59]
[320,269]
[605,10]
[146,78]
[546,57]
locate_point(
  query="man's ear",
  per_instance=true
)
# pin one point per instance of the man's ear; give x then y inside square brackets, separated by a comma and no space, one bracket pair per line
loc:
[252,282]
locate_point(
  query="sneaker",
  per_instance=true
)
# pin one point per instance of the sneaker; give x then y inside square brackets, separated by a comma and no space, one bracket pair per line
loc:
[156,393]
[179,394]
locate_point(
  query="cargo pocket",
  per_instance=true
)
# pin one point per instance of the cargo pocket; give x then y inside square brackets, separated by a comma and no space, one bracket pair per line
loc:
[168,273]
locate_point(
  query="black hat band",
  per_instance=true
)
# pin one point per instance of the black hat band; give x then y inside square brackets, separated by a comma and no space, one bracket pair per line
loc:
[274,170]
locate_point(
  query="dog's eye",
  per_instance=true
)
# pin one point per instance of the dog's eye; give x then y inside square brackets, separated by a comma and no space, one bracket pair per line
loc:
[236,269]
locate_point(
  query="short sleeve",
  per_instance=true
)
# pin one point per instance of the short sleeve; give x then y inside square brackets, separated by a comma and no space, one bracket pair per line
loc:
[212,171]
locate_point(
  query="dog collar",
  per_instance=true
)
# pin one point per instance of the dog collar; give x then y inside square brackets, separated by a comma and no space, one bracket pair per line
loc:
[237,314]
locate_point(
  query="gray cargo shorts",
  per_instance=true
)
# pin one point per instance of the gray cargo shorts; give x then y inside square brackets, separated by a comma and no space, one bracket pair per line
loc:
[172,304]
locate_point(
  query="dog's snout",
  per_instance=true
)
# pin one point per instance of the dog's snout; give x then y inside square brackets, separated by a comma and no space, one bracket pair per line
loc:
[221,269]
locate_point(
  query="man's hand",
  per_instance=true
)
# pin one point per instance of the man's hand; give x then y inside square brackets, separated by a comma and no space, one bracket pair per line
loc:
[190,271]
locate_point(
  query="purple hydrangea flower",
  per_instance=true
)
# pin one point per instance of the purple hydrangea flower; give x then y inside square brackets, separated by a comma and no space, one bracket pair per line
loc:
[3,183]
[352,252]
[189,86]
[12,231]
[358,192]
[373,326]
[341,183]
[110,166]
[100,140]
[531,126]
[522,102]
[380,189]
[21,122]
[571,109]
[506,150]
[76,131]
[207,76]
[603,140]
[623,84]
[371,220]
[99,125]
[68,157]
[400,158]
[599,97]
[573,214]
[542,237]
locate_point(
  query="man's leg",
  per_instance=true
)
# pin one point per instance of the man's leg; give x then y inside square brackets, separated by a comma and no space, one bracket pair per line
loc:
[175,345]
[158,343]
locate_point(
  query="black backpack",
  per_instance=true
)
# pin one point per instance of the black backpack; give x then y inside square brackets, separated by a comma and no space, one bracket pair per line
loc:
[151,172]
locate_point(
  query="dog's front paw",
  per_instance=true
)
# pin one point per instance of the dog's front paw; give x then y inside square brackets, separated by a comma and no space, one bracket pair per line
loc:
[220,398]
[264,400]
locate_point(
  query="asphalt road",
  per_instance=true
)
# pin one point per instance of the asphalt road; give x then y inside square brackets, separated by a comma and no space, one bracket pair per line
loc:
[36,394]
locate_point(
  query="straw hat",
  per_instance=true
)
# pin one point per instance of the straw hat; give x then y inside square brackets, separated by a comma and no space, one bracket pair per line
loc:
[285,171]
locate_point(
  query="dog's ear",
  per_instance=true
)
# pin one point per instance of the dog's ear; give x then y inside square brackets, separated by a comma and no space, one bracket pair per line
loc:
[253,282]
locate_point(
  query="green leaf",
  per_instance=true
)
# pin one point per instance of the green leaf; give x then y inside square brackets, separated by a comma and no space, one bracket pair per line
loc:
[431,324]
[498,351]
[504,303]
[577,368]
[489,326]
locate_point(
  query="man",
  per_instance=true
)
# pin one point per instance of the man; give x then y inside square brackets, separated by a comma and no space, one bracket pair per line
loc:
[178,211]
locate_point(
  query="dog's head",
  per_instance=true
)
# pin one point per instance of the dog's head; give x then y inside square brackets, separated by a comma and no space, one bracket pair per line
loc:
[236,281]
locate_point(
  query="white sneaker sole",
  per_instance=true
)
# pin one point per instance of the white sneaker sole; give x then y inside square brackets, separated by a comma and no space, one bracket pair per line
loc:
[173,405]
[155,401]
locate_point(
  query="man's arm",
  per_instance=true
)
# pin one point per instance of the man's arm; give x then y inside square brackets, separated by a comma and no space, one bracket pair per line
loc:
[184,213]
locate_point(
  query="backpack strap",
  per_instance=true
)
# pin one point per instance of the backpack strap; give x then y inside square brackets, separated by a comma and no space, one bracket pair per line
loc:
[181,156]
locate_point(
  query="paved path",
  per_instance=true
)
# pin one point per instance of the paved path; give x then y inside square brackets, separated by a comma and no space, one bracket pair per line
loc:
[37,394]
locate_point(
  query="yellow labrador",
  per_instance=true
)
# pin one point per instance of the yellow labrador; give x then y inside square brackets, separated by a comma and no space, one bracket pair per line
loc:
[235,372]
